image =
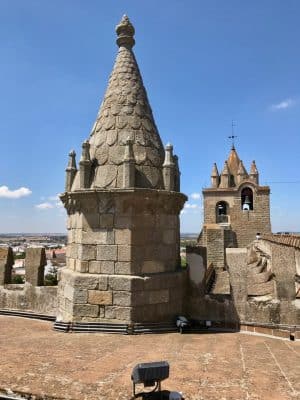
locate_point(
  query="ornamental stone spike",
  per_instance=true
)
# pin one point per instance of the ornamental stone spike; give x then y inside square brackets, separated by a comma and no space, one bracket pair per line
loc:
[70,171]
[85,166]
[242,173]
[215,177]
[225,177]
[129,165]
[254,176]
[169,168]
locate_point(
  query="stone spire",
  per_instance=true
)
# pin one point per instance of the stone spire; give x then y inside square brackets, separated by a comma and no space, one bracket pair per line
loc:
[70,171]
[225,176]
[254,176]
[215,177]
[233,164]
[242,173]
[125,113]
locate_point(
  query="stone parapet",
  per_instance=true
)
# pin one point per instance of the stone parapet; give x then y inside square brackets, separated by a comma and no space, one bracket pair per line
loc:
[6,263]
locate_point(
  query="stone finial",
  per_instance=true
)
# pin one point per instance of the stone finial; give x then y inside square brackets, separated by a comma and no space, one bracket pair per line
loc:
[169,168]
[254,176]
[215,177]
[177,173]
[85,155]
[125,31]
[225,177]
[85,165]
[6,263]
[241,173]
[128,165]
[35,261]
[70,171]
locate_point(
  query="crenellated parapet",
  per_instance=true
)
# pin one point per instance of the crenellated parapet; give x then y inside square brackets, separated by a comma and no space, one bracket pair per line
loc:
[31,295]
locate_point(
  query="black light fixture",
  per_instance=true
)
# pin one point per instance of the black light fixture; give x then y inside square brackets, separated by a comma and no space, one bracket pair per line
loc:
[150,374]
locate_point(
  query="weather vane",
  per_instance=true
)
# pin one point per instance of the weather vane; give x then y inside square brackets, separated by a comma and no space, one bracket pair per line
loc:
[233,136]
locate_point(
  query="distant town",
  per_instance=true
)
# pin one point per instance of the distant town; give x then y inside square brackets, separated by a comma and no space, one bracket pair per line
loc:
[55,245]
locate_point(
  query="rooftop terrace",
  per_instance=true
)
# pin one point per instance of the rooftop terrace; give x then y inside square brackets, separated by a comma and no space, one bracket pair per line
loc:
[223,366]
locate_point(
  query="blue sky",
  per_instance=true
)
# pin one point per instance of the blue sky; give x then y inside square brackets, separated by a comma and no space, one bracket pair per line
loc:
[204,64]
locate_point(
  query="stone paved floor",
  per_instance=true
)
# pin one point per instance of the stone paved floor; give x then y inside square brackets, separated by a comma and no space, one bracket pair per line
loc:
[35,359]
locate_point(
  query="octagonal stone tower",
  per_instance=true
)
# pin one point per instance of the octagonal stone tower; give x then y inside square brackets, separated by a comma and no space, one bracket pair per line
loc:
[123,204]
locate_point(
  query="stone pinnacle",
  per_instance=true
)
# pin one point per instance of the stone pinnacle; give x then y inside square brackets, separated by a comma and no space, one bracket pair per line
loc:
[125,31]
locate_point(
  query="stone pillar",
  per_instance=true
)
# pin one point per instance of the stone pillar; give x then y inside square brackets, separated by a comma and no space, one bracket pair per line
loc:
[35,262]
[6,263]
[128,166]
[85,166]
[70,171]
[169,168]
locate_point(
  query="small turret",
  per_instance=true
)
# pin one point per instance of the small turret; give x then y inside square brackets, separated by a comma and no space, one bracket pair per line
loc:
[128,165]
[85,166]
[215,177]
[169,168]
[242,173]
[254,176]
[70,171]
[225,177]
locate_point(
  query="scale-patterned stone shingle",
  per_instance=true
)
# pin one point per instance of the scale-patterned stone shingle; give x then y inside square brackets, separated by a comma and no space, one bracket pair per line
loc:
[126,113]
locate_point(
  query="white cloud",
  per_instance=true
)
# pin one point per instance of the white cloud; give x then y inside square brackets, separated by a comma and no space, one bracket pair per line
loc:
[283,105]
[195,196]
[53,198]
[6,193]
[44,206]
[191,206]
[51,202]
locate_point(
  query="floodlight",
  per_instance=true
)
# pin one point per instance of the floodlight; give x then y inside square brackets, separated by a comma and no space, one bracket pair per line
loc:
[150,374]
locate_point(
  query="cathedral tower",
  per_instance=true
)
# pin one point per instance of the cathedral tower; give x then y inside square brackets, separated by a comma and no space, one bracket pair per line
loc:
[123,206]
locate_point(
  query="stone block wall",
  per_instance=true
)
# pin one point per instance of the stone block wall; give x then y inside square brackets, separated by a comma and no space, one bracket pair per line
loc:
[244,224]
[119,299]
[213,239]
[123,260]
[130,235]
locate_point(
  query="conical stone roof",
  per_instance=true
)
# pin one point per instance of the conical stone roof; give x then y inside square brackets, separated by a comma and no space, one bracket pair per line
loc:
[125,113]
[233,161]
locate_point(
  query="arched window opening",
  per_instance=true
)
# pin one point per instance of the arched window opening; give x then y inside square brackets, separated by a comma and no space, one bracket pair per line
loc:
[221,212]
[247,199]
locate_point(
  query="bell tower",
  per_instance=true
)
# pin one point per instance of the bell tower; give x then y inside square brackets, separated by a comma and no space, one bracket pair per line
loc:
[237,203]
